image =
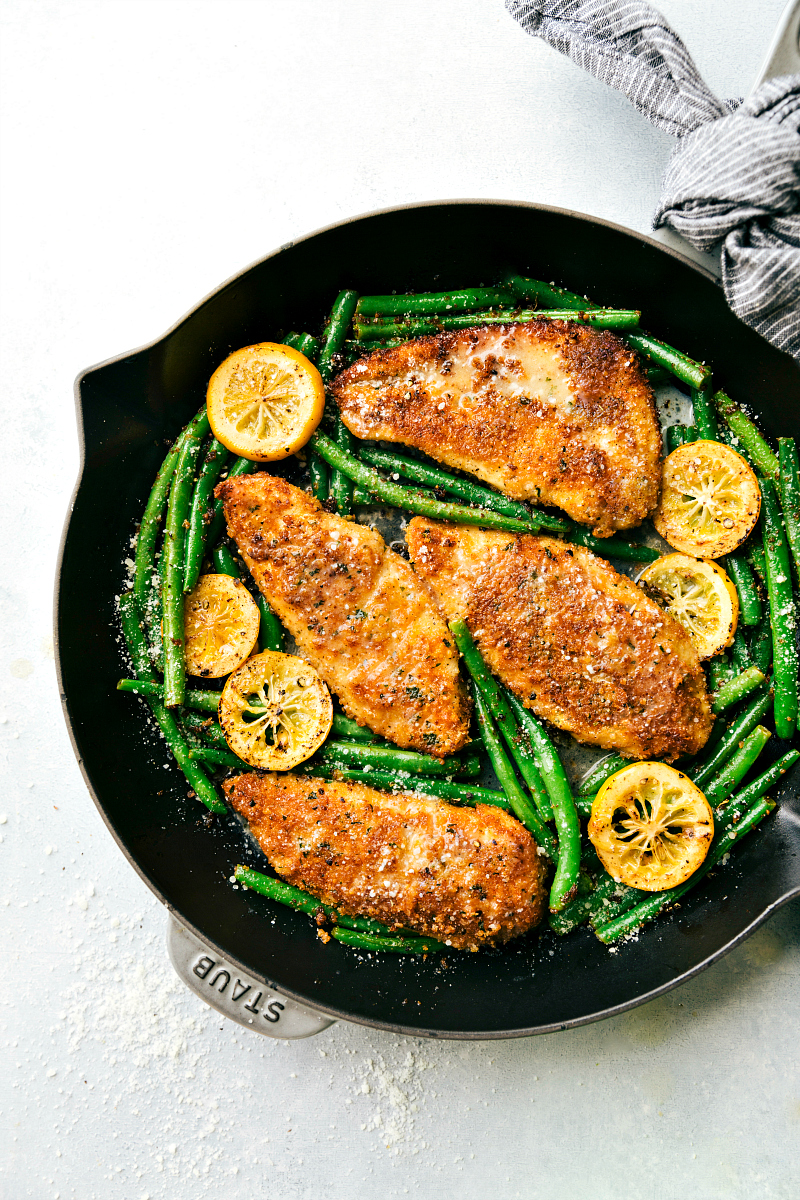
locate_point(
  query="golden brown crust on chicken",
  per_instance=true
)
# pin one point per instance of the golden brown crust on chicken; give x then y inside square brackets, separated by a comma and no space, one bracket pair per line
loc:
[468,877]
[549,411]
[356,611]
[578,643]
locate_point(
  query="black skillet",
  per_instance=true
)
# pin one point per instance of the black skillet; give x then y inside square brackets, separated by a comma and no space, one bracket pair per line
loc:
[131,407]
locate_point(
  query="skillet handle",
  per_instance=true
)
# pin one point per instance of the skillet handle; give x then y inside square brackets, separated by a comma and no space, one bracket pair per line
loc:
[237,996]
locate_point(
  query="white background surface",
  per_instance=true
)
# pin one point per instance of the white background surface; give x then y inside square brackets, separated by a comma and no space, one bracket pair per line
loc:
[151,149]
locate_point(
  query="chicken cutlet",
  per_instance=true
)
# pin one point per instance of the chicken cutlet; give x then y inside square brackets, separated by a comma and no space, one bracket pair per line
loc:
[356,610]
[466,876]
[577,643]
[548,411]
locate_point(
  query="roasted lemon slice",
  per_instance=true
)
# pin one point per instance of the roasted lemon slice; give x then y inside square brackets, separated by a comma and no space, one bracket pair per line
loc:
[697,593]
[265,401]
[651,826]
[220,626]
[710,500]
[275,711]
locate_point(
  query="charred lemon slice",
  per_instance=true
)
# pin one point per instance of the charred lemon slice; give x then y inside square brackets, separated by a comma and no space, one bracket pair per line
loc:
[651,826]
[220,626]
[275,711]
[265,401]
[710,500]
[697,593]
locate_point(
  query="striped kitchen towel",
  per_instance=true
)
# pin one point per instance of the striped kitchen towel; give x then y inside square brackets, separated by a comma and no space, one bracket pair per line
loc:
[733,178]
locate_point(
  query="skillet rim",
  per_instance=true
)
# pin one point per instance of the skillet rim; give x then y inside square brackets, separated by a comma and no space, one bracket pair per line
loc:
[336,1013]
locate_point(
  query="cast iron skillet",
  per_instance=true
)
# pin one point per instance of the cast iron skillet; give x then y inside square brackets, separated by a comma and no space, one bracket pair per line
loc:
[131,407]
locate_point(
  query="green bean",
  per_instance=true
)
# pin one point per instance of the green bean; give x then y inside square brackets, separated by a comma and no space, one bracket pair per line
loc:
[401,781]
[292,897]
[270,632]
[578,911]
[790,495]
[728,438]
[412,497]
[748,435]
[204,789]
[650,908]
[320,474]
[224,562]
[585,884]
[344,727]
[679,435]
[740,652]
[201,515]
[153,614]
[720,672]
[521,806]
[304,342]
[613,547]
[536,741]
[218,756]
[602,771]
[180,495]
[560,793]
[205,726]
[465,488]
[584,802]
[362,499]
[131,622]
[750,609]
[307,345]
[600,318]
[471,765]
[392,945]
[611,907]
[242,466]
[725,781]
[550,522]
[344,306]
[755,556]
[497,702]
[151,522]
[705,418]
[401,497]
[761,644]
[388,758]
[194,698]
[461,300]
[736,689]
[536,291]
[355,349]
[694,373]
[782,613]
[590,860]
[657,375]
[739,802]
[737,731]
[341,484]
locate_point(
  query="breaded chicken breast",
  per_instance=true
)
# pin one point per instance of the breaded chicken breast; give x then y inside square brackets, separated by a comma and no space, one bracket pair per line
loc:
[549,411]
[578,643]
[466,876]
[356,611]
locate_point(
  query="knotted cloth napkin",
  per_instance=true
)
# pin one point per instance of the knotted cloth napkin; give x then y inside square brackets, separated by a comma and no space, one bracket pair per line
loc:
[734,176]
